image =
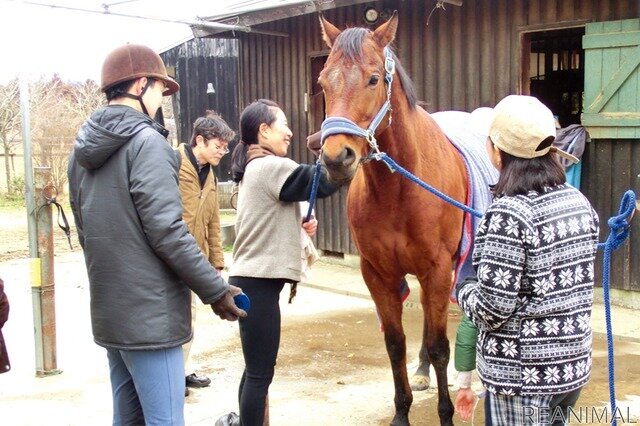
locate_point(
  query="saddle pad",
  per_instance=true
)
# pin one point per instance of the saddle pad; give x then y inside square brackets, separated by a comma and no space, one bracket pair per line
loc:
[464,133]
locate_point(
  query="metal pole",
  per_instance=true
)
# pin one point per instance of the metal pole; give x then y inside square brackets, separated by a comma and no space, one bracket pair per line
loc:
[43,360]
[47,308]
[28,166]
[31,219]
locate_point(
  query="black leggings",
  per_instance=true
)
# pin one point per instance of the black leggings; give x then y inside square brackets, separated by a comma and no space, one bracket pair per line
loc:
[260,336]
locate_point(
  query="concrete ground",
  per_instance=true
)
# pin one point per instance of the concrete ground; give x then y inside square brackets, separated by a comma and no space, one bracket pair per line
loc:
[320,330]
[332,275]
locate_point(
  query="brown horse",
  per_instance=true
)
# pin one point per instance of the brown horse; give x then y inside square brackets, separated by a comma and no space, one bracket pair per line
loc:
[398,227]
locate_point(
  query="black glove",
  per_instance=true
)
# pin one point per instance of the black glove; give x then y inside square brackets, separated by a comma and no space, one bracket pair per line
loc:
[470,279]
[226,308]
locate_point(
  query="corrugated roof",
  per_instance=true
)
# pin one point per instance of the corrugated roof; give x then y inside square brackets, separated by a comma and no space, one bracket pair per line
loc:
[252,12]
[247,6]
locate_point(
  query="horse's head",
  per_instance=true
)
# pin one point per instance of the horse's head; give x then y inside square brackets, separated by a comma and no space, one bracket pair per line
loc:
[354,80]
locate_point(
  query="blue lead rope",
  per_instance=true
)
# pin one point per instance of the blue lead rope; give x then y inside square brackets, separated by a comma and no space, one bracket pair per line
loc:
[413,178]
[619,232]
[314,191]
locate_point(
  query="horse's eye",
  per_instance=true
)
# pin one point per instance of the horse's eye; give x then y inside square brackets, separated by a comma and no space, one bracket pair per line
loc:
[374,80]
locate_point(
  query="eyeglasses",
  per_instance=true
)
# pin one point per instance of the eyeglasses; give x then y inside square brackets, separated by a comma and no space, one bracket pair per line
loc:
[215,141]
[224,149]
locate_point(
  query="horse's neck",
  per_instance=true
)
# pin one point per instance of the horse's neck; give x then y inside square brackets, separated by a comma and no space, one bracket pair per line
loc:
[414,141]
[413,135]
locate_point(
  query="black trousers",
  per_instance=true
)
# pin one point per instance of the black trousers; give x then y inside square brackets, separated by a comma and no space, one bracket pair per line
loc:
[564,401]
[260,336]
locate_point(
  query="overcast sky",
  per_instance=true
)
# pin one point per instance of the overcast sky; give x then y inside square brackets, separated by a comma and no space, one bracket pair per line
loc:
[41,40]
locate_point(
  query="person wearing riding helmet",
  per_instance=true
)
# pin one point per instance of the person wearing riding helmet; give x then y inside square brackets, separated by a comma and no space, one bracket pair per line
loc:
[141,261]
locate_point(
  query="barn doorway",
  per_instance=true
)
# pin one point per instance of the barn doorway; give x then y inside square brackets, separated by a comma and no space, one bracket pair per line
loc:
[553,71]
[316,111]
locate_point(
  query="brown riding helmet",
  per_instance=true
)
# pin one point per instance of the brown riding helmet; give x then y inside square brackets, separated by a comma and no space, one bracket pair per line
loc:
[133,61]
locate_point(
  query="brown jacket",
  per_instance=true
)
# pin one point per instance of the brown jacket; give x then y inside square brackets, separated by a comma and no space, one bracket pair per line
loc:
[4,314]
[201,210]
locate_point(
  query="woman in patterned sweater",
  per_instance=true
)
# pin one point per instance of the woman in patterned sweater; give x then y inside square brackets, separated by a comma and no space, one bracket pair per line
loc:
[534,256]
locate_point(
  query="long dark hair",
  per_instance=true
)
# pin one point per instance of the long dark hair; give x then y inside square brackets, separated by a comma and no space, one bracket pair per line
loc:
[518,176]
[256,113]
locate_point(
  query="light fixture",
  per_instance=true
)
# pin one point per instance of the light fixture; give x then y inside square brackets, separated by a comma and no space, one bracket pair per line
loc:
[453,2]
[210,89]
[371,15]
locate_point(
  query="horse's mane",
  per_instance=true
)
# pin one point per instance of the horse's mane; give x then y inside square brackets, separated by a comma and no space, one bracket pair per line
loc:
[350,42]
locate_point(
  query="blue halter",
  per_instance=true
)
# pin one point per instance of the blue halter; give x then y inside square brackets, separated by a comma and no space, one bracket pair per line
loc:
[342,125]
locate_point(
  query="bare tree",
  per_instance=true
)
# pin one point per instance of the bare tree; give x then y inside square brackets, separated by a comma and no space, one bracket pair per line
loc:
[58,110]
[85,98]
[9,125]
[169,120]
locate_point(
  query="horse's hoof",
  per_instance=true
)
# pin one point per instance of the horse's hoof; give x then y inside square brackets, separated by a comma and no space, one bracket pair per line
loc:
[400,421]
[420,383]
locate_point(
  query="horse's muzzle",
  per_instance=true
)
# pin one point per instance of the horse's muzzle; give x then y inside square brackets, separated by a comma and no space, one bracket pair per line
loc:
[342,167]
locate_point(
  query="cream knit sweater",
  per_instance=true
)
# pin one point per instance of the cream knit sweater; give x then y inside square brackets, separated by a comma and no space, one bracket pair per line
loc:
[268,230]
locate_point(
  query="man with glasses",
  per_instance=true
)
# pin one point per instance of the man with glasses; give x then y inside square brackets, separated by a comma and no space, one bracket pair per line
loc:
[198,188]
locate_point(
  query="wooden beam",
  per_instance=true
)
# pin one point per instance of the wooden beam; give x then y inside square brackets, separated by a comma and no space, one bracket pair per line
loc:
[600,41]
[617,119]
[618,78]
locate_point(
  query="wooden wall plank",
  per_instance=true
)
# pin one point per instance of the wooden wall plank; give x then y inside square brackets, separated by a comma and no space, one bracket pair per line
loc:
[634,243]
[620,182]
[565,10]
[486,66]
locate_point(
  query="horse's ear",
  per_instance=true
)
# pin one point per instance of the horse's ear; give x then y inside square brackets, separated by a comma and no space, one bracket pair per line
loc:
[386,32]
[329,31]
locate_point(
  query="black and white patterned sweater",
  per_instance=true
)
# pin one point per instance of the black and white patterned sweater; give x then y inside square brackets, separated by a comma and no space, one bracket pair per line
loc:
[534,258]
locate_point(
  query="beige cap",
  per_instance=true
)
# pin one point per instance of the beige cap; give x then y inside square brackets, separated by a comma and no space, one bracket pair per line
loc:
[520,124]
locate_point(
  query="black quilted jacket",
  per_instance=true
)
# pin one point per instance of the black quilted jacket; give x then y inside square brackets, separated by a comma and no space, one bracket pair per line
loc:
[140,258]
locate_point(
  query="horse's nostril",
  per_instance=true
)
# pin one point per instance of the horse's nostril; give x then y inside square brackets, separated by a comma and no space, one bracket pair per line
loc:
[349,156]
[345,158]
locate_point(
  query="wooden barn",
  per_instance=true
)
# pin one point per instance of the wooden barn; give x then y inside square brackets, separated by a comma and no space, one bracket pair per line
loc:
[579,56]
[207,71]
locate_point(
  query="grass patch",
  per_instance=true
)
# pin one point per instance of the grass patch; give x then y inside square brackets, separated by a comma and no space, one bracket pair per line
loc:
[12,202]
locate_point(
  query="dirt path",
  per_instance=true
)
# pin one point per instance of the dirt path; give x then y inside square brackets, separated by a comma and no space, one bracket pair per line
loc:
[14,243]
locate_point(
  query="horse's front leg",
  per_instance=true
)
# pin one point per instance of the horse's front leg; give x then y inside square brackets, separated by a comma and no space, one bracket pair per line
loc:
[386,296]
[395,342]
[420,380]
[436,286]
